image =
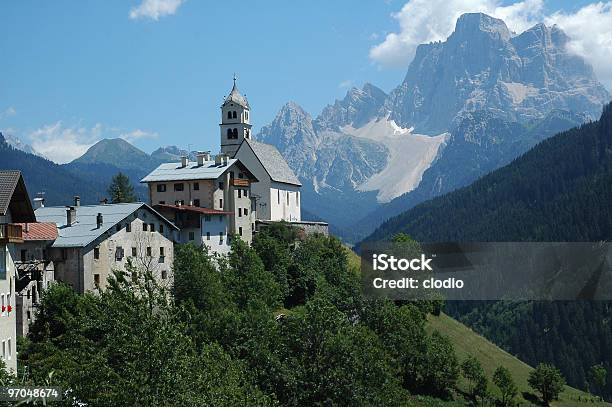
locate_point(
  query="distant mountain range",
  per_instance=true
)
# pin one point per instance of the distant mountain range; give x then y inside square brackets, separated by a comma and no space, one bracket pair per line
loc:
[467,105]
[57,184]
[16,143]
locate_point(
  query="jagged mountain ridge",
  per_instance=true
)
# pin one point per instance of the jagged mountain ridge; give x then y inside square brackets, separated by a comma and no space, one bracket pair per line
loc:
[523,88]
[482,66]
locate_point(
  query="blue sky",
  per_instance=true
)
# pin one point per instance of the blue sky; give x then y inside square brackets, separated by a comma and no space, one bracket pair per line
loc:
[73,72]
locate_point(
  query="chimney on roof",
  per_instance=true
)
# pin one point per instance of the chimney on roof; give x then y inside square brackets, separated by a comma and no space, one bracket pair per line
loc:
[70,215]
[221,159]
[202,157]
[99,220]
[77,200]
[184,161]
[39,202]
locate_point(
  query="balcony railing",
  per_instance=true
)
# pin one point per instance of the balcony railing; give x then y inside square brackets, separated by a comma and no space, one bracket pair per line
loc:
[240,182]
[10,233]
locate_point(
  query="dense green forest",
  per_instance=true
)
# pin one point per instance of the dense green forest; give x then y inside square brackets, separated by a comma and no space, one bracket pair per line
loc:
[560,190]
[282,322]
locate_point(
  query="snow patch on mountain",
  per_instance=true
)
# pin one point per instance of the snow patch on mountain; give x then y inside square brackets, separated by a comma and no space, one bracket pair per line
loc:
[409,156]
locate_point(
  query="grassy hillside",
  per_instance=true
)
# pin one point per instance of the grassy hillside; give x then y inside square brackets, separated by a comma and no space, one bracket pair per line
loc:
[469,343]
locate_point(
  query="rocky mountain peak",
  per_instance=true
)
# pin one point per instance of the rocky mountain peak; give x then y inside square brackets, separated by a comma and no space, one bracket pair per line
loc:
[291,125]
[471,25]
[481,66]
[357,108]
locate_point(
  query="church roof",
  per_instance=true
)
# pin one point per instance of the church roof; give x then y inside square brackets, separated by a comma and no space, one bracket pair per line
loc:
[236,97]
[273,162]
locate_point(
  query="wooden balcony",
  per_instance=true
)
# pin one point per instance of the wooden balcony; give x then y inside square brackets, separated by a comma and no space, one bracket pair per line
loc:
[10,233]
[237,182]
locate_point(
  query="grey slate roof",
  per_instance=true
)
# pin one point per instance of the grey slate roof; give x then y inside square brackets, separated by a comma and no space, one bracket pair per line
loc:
[174,171]
[236,97]
[8,183]
[84,230]
[273,162]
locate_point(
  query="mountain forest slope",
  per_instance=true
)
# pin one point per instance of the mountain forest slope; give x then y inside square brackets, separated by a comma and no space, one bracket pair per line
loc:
[559,191]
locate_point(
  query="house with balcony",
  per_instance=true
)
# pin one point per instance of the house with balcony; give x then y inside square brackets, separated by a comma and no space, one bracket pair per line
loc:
[93,240]
[35,271]
[209,200]
[15,208]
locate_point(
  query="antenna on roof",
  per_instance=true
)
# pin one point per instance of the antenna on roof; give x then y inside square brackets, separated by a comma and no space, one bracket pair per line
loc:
[235,77]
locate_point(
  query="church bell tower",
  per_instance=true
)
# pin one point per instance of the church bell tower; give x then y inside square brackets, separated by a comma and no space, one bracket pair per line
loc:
[235,121]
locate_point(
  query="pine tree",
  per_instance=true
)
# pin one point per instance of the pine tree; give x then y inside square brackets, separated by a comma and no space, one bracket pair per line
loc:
[121,189]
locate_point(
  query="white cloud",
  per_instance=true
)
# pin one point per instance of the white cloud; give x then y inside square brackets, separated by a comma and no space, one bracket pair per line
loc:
[423,21]
[63,144]
[137,135]
[10,111]
[154,9]
[590,30]
[345,84]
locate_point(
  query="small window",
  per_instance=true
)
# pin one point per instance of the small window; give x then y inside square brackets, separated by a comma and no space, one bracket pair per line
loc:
[229,133]
[96,253]
[221,203]
[240,230]
[179,187]
[220,237]
[287,202]
[97,280]
[161,187]
[133,252]
[191,236]
[235,133]
[239,212]
[128,227]
[240,175]
[239,193]
[144,227]
[196,202]
[278,196]
[152,227]
[246,211]
[164,274]
[297,198]
[207,235]
[161,252]
[119,253]
[149,251]
[196,186]
[161,228]
[29,315]
[234,114]
[229,115]
[246,193]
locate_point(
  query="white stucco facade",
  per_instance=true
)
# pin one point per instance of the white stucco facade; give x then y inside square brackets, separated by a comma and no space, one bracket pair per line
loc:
[8,314]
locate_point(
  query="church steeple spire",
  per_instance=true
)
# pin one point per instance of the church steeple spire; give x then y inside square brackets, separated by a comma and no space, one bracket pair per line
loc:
[235,120]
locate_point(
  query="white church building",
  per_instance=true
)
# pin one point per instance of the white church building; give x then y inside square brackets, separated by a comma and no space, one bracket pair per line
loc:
[277,192]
